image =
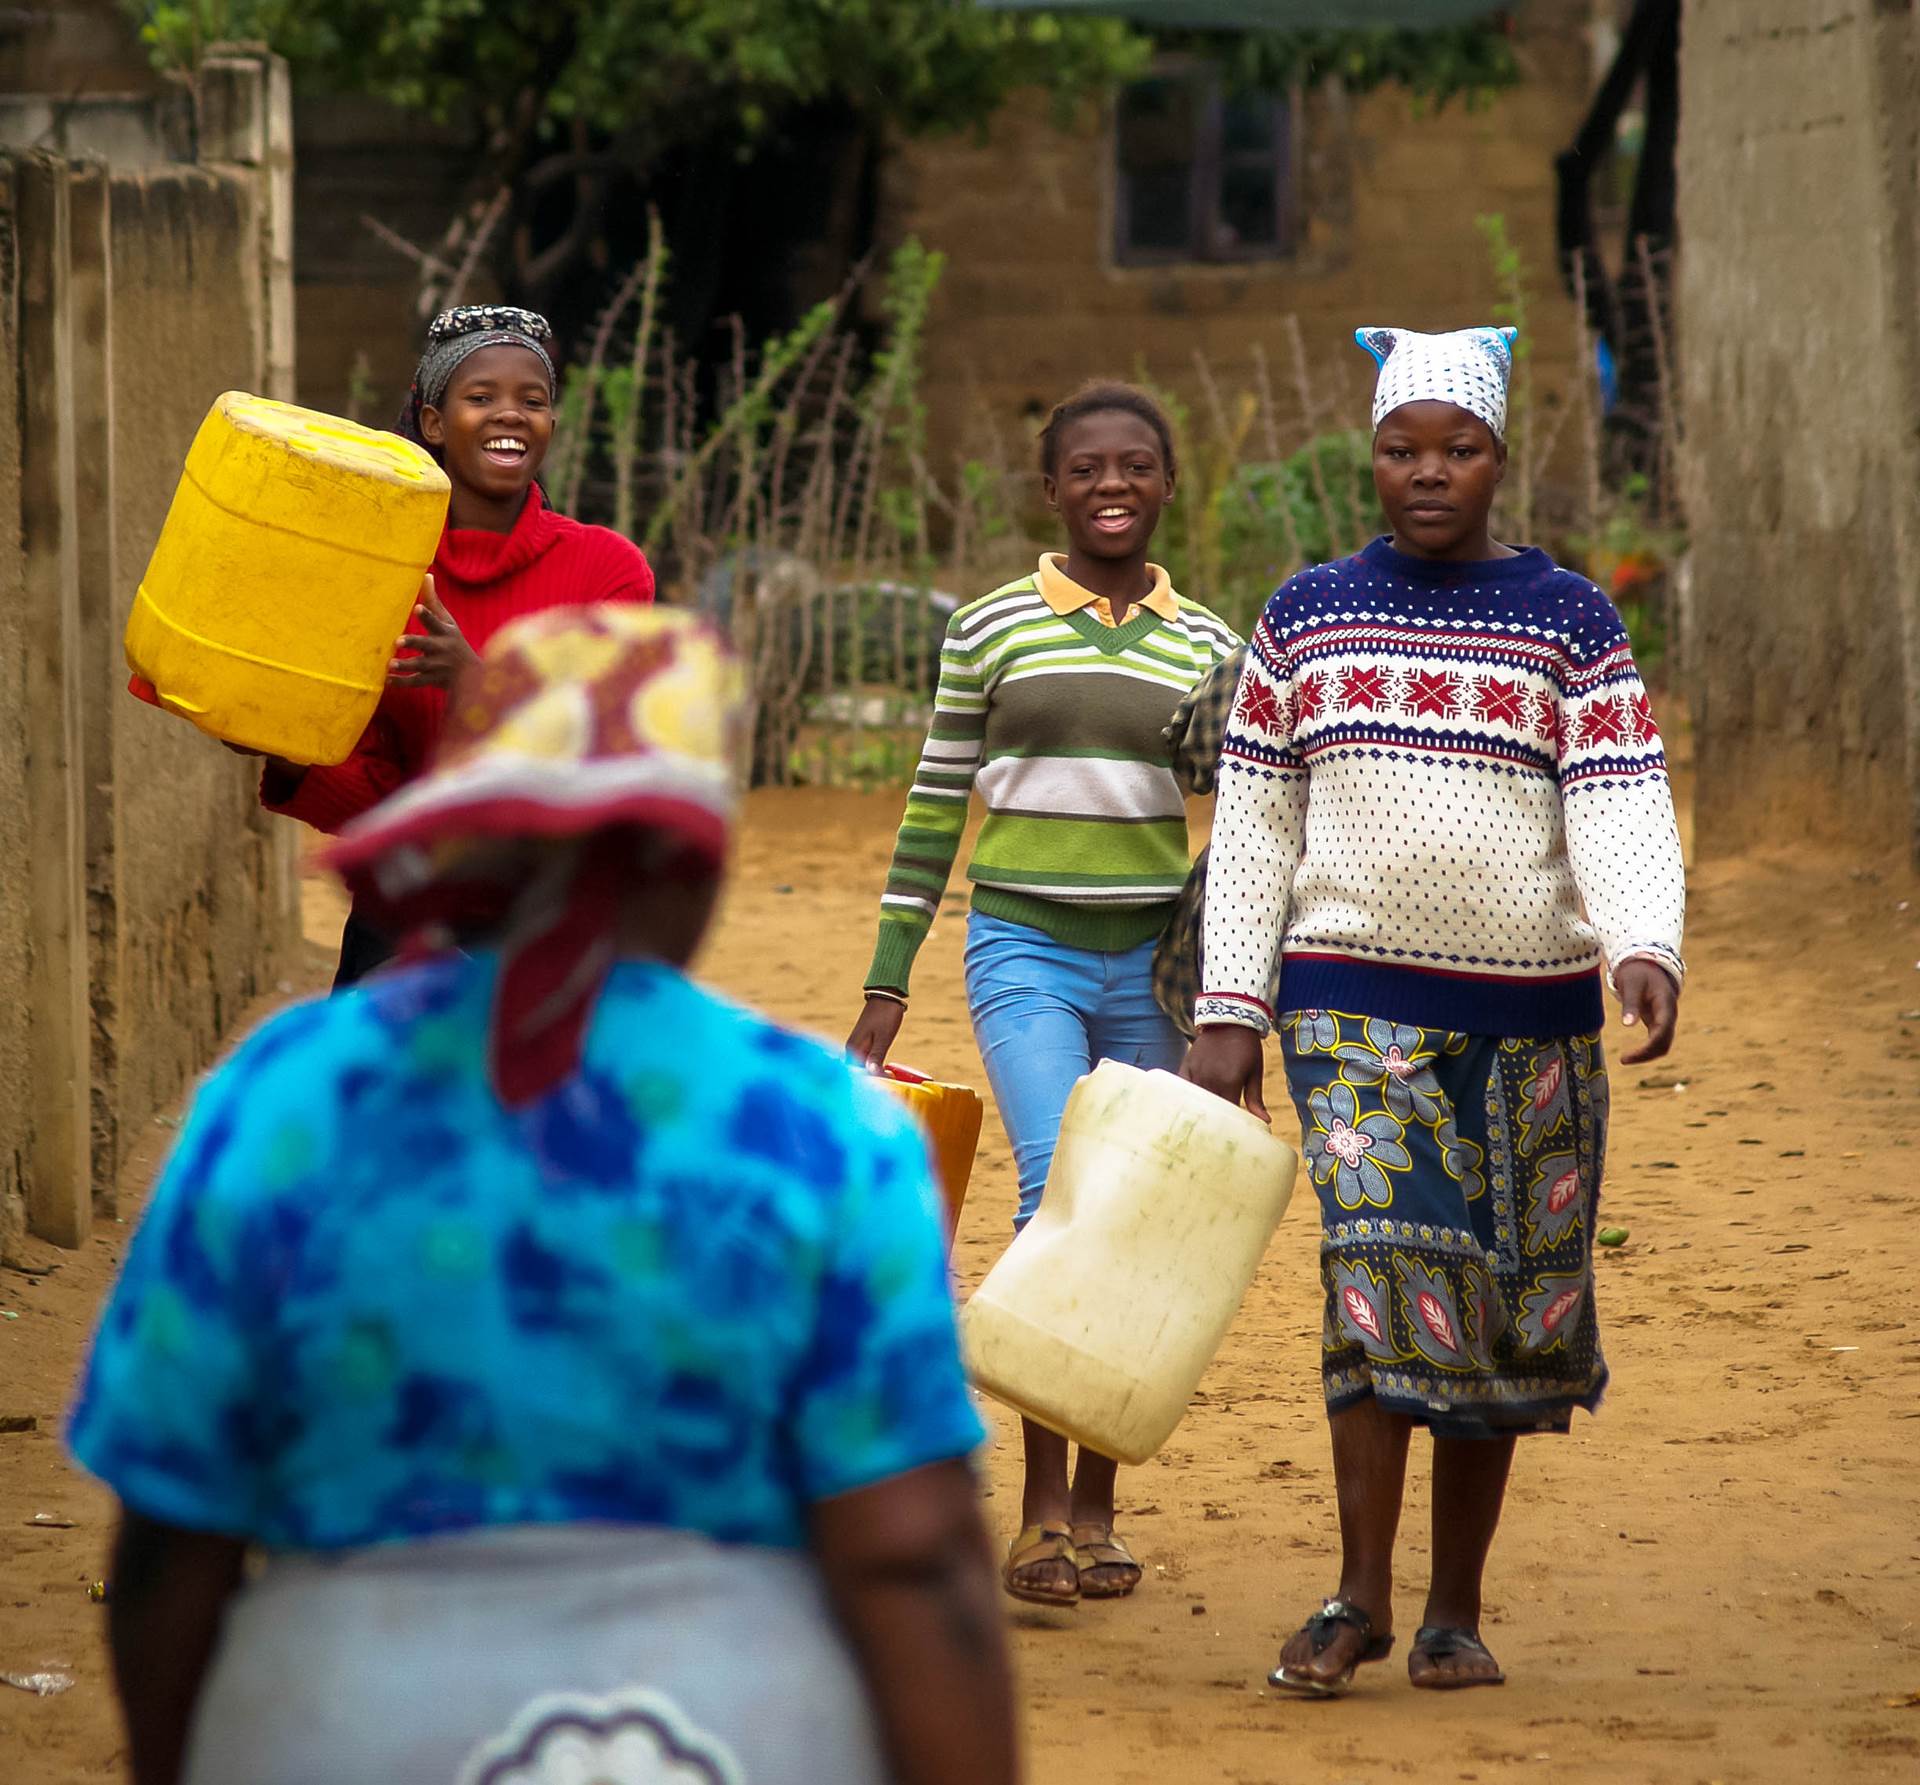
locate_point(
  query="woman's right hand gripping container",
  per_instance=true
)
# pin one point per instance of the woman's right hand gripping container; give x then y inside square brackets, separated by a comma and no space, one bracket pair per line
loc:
[289,564]
[950,1117]
[1099,1319]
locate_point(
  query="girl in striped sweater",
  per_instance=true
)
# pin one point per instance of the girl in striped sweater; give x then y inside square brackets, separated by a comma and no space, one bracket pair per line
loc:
[1054,695]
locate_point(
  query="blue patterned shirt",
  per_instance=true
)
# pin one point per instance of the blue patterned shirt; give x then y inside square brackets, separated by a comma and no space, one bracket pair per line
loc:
[702,1285]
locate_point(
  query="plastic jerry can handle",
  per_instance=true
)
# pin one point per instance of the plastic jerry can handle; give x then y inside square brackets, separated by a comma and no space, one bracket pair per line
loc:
[142,689]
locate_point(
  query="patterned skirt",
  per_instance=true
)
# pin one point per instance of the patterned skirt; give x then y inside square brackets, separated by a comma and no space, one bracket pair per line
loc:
[1459,1181]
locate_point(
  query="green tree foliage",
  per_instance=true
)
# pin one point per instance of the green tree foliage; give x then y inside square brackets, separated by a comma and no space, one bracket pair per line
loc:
[1458,61]
[660,71]
[665,69]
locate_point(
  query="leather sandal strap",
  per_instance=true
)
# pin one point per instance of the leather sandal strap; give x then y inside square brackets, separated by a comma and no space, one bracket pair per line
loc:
[1322,1627]
[1441,1642]
[1106,1548]
[1047,1542]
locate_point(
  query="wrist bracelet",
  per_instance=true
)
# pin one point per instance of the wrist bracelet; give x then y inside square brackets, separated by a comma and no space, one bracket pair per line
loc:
[877,991]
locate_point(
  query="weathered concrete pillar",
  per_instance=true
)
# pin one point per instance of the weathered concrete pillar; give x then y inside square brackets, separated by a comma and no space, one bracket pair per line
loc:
[245,104]
[58,1174]
[1895,70]
[244,98]
[102,662]
[277,234]
[1803,639]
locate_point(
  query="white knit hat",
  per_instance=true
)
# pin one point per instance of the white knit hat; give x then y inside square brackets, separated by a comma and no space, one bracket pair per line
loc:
[1468,367]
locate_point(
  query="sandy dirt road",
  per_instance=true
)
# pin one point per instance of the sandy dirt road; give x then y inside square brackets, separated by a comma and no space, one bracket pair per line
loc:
[1717,1579]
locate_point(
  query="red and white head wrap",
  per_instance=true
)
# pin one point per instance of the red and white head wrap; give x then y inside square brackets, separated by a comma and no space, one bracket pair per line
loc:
[587,744]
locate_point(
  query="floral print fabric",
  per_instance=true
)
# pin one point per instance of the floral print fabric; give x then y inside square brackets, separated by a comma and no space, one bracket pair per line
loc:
[1459,1180]
[700,1286]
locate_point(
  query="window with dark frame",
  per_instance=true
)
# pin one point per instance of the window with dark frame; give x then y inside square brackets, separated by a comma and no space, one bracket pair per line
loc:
[1203,172]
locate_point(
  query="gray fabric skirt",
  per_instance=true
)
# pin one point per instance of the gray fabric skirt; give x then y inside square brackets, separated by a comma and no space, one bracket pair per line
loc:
[535,1656]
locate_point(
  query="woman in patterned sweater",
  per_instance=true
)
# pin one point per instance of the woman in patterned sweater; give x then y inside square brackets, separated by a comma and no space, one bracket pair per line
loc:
[1054,695]
[1444,818]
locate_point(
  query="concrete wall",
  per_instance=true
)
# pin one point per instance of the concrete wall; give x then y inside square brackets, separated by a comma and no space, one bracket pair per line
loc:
[75,80]
[200,868]
[1797,295]
[1033,303]
[67,48]
[17,1116]
[143,897]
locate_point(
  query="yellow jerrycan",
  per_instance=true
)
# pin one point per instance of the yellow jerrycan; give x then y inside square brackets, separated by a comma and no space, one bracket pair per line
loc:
[950,1115]
[288,566]
[1099,1319]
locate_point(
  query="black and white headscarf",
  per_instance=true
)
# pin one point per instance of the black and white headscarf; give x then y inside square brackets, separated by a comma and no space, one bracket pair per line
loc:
[453,335]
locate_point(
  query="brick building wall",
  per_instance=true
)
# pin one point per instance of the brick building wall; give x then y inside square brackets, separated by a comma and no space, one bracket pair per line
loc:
[1034,302]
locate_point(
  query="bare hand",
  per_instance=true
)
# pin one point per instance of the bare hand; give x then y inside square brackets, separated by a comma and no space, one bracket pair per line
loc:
[1649,1000]
[876,1031]
[1226,1059]
[436,658]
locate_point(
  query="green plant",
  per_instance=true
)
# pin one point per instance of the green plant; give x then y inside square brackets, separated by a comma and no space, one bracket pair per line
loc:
[567,457]
[1193,529]
[1632,556]
[1467,62]
[179,32]
[880,758]
[683,70]
[677,71]
[742,421]
[984,486]
[894,418]
[1510,310]
[1313,506]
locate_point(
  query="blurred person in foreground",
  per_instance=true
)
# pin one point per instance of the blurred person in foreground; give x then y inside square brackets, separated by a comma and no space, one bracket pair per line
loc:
[531,1366]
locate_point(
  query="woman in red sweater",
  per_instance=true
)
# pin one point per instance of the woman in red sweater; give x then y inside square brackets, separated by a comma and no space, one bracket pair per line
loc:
[482,404]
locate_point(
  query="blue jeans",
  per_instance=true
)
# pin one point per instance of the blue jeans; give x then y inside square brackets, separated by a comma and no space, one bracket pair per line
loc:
[1043,1015]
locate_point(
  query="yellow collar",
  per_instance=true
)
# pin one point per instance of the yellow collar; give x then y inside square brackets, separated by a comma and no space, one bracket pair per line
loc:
[1061,593]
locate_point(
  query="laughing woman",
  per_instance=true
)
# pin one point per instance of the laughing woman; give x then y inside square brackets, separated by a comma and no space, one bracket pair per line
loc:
[482,404]
[1054,695]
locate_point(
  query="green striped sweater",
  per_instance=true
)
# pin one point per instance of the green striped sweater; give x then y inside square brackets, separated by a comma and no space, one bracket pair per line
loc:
[1058,720]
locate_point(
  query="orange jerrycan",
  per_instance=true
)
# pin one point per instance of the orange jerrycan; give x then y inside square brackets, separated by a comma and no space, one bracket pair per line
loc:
[950,1114]
[289,564]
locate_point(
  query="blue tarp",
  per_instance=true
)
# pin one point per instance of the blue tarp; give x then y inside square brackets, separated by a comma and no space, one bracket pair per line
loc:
[1268,15]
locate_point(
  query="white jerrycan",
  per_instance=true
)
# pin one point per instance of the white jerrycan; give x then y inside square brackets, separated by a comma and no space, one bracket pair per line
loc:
[1099,1319]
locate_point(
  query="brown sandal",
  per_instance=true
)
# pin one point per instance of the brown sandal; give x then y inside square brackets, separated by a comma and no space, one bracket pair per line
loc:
[1098,1546]
[1049,1542]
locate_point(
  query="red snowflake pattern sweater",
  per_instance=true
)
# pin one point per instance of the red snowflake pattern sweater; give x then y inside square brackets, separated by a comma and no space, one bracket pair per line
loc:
[484,580]
[1442,800]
